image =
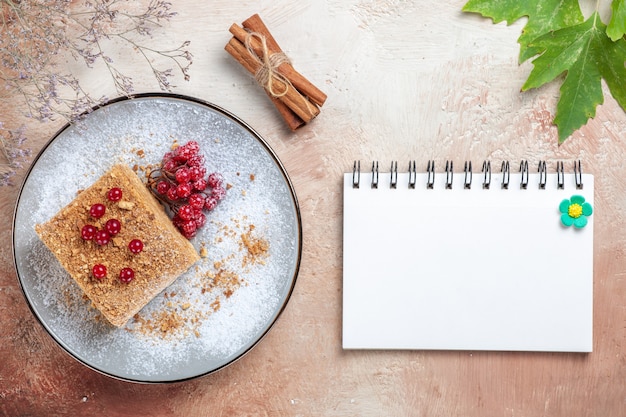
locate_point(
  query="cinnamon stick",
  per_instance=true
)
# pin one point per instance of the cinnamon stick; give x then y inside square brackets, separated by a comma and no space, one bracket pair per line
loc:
[299,104]
[292,119]
[255,24]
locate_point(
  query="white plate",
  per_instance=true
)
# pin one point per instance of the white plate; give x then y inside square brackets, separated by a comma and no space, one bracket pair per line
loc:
[219,327]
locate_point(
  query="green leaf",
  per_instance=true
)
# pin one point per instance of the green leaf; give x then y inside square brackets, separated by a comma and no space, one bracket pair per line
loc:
[617,25]
[587,55]
[543,16]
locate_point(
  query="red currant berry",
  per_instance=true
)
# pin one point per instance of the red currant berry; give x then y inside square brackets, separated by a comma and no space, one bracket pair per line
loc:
[102,237]
[178,222]
[99,271]
[188,150]
[127,275]
[200,219]
[196,161]
[183,190]
[170,165]
[183,154]
[215,180]
[182,175]
[219,193]
[88,231]
[196,201]
[195,173]
[162,187]
[210,203]
[185,212]
[115,194]
[97,210]
[188,228]
[168,156]
[135,246]
[193,146]
[113,226]
[172,194]
[200,185]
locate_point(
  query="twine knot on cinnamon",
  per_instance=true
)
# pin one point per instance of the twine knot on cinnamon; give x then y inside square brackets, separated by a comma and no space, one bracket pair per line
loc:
[269,63]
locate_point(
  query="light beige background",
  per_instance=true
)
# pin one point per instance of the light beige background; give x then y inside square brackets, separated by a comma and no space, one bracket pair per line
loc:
[405,80]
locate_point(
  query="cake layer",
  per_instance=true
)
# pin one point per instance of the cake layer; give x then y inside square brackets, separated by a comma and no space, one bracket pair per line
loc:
[166,253]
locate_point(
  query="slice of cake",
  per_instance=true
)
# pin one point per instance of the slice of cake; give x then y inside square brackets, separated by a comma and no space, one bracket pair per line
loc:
[116,241]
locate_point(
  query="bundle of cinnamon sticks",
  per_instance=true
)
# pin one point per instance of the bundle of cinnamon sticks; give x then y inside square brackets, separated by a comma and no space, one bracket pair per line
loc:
[296,98]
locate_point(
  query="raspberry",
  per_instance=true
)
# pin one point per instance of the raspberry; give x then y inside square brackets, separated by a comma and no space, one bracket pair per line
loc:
[99,271]
[215,180]
[183,190]
[185,212]
[182,175]
[88,232]
[102,237]
[114,194]
[113,226]
[162,187]
[127,275]
[135,246]
[97,210]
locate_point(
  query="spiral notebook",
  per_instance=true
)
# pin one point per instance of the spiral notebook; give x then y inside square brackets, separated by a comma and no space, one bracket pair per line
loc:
[462,260]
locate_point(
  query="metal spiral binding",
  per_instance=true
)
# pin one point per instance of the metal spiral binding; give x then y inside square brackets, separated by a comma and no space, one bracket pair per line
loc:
[543,175]
[356,174]
[578,175]
[523,168]
[467,184]
[542,169]
[487,172]
[393,181]
[430,182]
[506,174]
[412,174]
[560,175]
[449,174]
[375,174]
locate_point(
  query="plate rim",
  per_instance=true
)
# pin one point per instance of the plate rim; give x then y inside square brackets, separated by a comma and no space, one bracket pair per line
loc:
[268,149]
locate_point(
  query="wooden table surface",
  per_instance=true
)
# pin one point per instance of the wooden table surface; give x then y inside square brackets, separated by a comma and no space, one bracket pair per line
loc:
[405,80]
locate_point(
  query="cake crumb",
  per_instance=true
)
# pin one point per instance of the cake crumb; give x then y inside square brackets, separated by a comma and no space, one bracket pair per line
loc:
[257,248]
[180,315]
[126,205]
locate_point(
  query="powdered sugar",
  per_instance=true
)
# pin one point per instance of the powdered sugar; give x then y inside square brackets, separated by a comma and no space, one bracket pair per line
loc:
[209,324]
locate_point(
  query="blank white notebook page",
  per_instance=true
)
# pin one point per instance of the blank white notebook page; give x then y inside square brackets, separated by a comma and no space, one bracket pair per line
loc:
[466,269]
